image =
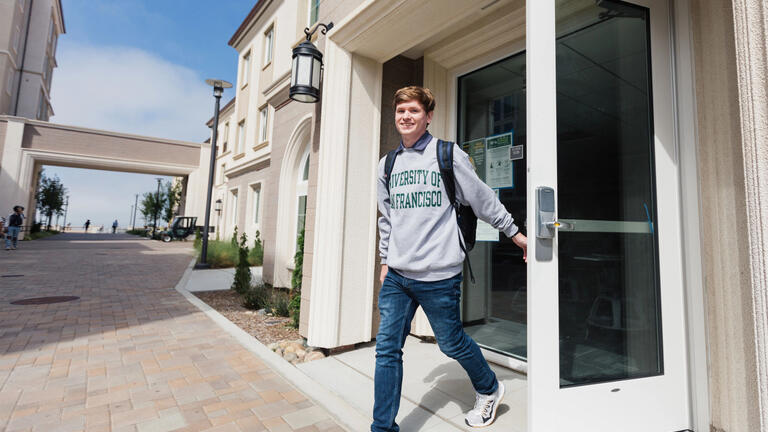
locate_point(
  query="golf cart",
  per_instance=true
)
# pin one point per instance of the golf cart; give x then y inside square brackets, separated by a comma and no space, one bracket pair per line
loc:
[181,228]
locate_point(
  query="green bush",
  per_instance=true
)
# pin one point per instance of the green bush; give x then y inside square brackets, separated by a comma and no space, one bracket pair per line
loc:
[198,243]
[137,231]
[256,255]
[242,281]
[294,306]
[256,297]
[280,305]
[233,241]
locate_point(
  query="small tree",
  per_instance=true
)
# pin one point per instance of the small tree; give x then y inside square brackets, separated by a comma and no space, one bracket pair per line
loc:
[256,255]
[172,194]
[50,197]
[242,282]
[151,204]
[234,238]
[298,273]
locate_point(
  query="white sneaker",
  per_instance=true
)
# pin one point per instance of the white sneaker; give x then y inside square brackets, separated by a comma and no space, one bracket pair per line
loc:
[484,412]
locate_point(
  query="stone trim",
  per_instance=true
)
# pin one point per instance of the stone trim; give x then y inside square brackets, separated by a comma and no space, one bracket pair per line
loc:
[750,19]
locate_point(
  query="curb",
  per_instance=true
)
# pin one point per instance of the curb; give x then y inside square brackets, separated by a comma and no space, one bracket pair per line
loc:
[352,420]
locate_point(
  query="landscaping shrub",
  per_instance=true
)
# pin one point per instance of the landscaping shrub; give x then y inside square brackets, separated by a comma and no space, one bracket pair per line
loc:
[242,281]
[256,297]
[198,243]
[294,306]
[256,255]
[137,231]
[280,306]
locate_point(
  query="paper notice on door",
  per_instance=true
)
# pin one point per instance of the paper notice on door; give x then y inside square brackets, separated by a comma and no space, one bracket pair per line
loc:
[486,232]
[498,166]
[476,151]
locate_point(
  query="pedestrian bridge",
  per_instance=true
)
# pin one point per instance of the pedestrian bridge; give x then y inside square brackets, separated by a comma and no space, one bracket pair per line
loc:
[26,145]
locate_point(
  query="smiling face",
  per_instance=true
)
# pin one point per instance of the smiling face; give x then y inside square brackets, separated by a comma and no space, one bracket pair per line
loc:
[411,121]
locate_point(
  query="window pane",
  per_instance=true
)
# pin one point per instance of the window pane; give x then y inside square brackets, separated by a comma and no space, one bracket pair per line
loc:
[256,198]
[268,46]
[314,10]
[305,174]
[609,300]
[302,214]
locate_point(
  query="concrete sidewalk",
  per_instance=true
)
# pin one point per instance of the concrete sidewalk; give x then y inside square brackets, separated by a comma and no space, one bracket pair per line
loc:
[436,390]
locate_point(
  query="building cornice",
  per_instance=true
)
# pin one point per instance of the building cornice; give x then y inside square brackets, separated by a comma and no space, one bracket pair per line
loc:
[251,165]
[97,131]
[61,18]
[248,22]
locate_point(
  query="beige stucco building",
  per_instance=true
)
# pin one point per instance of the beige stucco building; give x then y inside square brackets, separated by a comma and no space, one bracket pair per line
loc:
[29,31]
[647,121]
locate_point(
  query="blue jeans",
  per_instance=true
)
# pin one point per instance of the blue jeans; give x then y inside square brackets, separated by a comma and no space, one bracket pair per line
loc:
[398,299]
[13,235]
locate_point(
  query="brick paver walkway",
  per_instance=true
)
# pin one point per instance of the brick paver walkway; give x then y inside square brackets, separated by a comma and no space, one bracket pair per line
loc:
[131,354]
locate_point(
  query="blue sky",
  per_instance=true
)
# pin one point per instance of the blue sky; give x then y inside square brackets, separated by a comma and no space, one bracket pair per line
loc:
[138,67]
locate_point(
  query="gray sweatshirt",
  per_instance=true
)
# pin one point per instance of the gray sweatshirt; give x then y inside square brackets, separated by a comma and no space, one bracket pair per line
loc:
[419,236]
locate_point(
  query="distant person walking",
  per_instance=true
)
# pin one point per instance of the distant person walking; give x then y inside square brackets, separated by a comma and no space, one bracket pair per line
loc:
[114,226]
[87,224]
[15,221]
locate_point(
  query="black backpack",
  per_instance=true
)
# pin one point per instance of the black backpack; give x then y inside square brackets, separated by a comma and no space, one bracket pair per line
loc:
[15,220]
[465,217]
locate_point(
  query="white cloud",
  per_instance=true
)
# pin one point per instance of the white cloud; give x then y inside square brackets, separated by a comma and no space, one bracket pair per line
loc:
[129,90]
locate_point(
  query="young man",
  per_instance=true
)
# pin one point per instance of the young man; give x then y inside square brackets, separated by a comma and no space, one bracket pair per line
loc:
[15,222]
[422,259]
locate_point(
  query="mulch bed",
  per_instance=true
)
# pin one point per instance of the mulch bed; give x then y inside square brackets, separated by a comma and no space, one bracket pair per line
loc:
[265,328]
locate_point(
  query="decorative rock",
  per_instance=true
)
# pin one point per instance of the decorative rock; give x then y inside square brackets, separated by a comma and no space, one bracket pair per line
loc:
[296,346]
[314,355]
[290,356]
[300,353]
[273,346]
[290,348]
[283,344]
[279,352]
[261,312]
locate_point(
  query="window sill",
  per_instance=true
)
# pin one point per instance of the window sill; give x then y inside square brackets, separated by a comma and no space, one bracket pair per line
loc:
[225,153]
[258,147]
[238,156]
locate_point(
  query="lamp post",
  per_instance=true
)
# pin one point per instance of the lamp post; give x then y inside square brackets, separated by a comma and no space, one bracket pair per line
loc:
[218,90]
[307,63]
[157,207]
[135,205]
[218,216]
[65,215]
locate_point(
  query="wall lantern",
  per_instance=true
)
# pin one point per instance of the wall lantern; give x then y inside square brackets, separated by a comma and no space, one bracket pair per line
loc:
[218,206]
[307,65]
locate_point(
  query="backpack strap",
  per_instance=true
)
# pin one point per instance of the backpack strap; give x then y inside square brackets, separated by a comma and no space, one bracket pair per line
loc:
[389,163]
[445,162]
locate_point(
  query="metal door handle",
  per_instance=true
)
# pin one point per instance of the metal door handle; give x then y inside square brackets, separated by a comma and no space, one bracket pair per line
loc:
[565,226]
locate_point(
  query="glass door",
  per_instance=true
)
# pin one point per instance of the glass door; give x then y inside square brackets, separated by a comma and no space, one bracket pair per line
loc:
[606,336]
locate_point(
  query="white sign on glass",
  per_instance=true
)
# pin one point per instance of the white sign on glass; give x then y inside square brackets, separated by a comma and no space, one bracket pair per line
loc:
[498,166]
